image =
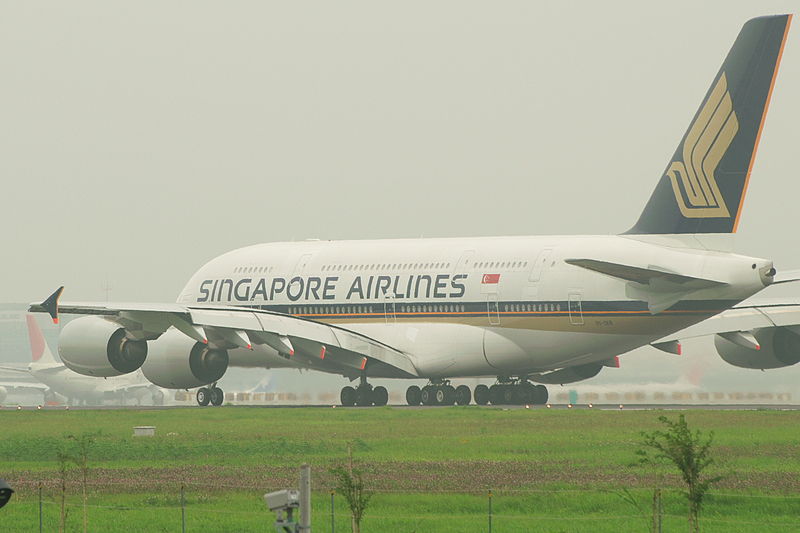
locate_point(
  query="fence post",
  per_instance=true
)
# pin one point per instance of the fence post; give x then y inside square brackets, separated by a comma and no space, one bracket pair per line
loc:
[305,498]
[657,510]
[490,511]
[40,507]
[183,509]
[333,515]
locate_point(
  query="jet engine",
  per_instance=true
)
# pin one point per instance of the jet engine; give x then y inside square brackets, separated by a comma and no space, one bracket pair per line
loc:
[93,346]
[779,347]
[179,362]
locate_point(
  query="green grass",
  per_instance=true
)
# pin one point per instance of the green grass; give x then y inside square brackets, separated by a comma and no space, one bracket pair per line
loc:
[549,470]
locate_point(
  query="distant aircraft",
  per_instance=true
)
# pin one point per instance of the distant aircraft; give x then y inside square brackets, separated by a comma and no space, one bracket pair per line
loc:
[56,380]
[548,310]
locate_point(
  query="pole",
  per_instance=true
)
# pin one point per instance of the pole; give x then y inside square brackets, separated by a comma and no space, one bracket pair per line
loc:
[40,507]
[305,498]
[183,508]
[333,513]
[490,511]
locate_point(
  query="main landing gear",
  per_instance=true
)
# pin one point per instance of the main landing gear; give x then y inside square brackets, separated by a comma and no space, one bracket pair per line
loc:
[511,391]
[507,391]
[364,395]
[438,392]
[212,395]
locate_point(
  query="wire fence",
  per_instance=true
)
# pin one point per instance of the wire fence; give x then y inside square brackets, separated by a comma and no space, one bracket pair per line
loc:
[193,506]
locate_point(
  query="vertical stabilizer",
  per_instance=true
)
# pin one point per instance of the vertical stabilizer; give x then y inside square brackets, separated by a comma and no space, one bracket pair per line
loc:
[703,188]
[40,352]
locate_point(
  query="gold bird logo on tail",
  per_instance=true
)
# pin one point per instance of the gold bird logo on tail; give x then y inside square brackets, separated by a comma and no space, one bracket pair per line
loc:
[708,139]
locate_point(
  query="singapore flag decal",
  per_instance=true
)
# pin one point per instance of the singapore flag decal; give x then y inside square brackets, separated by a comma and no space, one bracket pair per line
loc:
[490,278]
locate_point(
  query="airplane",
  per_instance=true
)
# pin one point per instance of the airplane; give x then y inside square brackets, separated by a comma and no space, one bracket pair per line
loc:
[56,381]
[530,311]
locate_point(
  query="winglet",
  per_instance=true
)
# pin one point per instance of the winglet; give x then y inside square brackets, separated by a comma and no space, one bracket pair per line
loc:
[51,304]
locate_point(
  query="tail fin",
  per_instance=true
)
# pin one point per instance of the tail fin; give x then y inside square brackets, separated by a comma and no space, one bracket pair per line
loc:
[703,188]
[40,352]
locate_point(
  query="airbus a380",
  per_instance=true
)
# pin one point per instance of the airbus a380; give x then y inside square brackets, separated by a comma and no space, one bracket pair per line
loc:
[525,309]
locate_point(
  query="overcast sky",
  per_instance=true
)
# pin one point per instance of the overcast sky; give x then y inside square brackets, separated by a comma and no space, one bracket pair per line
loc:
[141,139]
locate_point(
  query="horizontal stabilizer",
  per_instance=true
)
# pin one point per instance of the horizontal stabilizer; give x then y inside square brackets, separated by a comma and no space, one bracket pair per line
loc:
[786,276]
[645,276]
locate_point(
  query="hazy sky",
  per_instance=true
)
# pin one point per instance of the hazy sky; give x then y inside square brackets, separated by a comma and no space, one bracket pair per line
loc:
[140,139]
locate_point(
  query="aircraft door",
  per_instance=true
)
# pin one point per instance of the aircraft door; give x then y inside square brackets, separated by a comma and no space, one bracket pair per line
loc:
[389,308]
[493,309]
[540,264]
[575,309]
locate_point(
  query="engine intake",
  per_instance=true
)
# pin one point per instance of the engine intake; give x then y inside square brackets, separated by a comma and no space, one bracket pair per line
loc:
[93,346]
[780,347]
[178,362]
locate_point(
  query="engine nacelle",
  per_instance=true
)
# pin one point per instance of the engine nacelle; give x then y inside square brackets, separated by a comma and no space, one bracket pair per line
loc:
[93,346]
[780,347]
[179,362]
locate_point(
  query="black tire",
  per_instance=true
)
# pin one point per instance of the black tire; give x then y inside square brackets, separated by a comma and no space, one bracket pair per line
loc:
[203,396]
[528,394]
[510,394]
[448,396]
[463,395]
[380,396]
[541,395]
[496,394]
[348,396]
[428,395]
[481,394]
[364,396]
[217,396]
[413,395]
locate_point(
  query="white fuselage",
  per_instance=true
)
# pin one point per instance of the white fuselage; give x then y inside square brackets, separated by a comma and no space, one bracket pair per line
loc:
[74,386]
[477,306]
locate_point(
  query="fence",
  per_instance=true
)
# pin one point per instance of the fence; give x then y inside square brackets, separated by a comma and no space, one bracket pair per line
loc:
[199,507]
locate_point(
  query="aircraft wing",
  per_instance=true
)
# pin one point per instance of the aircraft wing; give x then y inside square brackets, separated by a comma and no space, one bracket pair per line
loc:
[305,342]
[742,318]
[21,386]
[21,368]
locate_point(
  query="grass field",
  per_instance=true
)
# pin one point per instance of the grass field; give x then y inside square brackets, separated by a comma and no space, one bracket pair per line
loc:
[431,469]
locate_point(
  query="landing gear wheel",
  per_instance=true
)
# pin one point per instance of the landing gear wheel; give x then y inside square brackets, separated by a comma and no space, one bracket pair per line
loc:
[428,396]
[348,396]
[364,396]
[413,395]
[497,394]
[528,392]
[380,396]
[481,394]
[217,396]
[463,395]
[203,396]
[540,395]
[445,395]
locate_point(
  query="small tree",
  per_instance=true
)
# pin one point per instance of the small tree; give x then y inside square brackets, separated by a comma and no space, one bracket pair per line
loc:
[687,450]
[350,483]
[63,467]
[80,457]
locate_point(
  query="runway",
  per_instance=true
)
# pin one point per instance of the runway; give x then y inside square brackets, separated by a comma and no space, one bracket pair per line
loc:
[556,407]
